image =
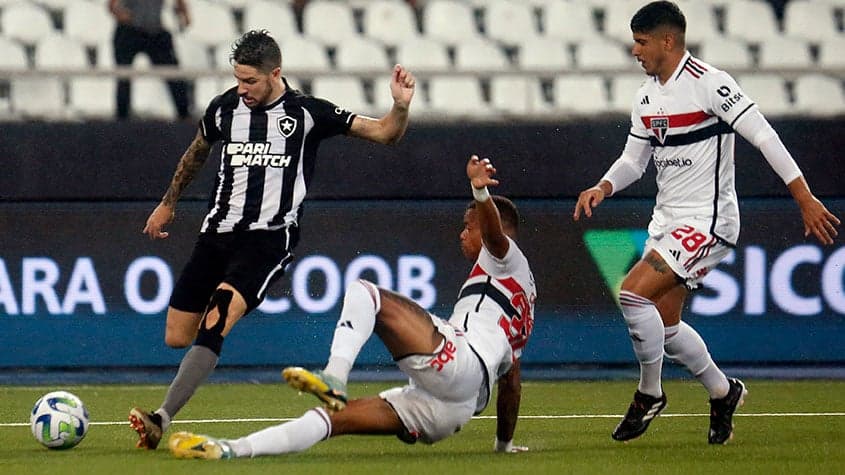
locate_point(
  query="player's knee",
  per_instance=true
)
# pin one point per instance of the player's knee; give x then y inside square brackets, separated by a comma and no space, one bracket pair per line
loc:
[174,340]
[210,333]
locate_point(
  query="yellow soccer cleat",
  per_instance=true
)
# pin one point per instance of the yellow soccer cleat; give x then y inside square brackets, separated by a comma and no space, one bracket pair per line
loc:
[186,445]
[327,388]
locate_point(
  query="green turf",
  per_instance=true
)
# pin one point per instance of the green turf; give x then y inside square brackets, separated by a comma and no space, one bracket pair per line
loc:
[673,445]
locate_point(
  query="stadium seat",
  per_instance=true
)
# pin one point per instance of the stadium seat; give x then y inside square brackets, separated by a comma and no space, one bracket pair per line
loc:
[88,22]
[389,21]
[818,95]
[150,98]
[582,94]
[423,54]
[702,23]
[784,52]
[191,54]
[277,18]
[830,53]
[26,22]
[211,23]
[810,20]
[623,87]
[207,88]
[346,92]
[517,95]
[302,53]
[509,21]
[220,57]
[480,55]
[383,100]
[750,20]
[456,96]
[329,21]
[450,21]
[617,19]
[603,55]
[12,57]
[726,53]
[44,97]
[768,91]
[570,21]
[361,53]
[544,54]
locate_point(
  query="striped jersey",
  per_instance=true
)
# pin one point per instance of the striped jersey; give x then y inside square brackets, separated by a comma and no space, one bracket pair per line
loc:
[689,124]
[495,309]
[267,157]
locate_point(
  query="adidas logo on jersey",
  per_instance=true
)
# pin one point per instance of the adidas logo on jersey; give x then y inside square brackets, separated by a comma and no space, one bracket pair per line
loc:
[644,101]
[254,154]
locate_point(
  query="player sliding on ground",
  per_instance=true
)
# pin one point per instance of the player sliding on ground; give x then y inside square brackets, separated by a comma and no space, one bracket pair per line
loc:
[452,364]
[684,120]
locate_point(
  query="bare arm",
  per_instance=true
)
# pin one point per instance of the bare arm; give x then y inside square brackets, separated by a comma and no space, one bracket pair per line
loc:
[817,219]
[480,173]
[183,13]
[507,409]
[192,160]
[391,127]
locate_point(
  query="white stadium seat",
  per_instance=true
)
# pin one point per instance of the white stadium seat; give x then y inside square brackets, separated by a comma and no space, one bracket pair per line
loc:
[150,98]
[302,53]
[726,53]
[544,54]
[603,55]
[581,94]
[818,95]
[830,53]
[389,21]
[423,54]
[361,53]
[769,92]
[26,22]
[570,21]
[211,23]
[617,19]
[810,20]
[750,20]
[88,22]
[450,21]
[509,21]
[383,100]
[623,87]
[346,92]
[517,95]
[12,57]
[784,52]
[460,96]
[277,18]
[702,24]
[329,21]
[480,55]
[191,54]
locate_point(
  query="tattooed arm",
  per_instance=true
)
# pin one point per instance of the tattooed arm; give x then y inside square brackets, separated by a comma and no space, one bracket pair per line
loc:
[192,160]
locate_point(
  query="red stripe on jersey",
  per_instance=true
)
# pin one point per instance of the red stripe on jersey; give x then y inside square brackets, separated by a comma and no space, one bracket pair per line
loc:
[697,65]
[692,71]
[512,285]
[476,271]
[678,120]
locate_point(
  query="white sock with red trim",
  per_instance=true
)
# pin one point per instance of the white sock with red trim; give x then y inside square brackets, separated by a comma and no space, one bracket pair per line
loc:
[646,330]
[354,327]
[684,345]
[294,436]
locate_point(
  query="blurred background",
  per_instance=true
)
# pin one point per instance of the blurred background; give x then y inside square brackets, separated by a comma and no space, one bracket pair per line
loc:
[543,87]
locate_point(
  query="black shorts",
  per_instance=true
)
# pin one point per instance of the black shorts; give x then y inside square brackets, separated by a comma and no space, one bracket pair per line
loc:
[249,261]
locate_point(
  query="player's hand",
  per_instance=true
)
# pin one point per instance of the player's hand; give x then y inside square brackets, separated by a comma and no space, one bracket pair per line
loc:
[818,221]
[480,172]
[508,447]
[161,216]
[402,84]
[587,200]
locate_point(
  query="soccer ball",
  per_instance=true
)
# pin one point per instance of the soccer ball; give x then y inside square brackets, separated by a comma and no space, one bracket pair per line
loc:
[59,420]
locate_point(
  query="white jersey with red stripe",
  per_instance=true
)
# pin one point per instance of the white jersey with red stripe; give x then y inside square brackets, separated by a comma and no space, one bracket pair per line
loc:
[495,309]
[688,122]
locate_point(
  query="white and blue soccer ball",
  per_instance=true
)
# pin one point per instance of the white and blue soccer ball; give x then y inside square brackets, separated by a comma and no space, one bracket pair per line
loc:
[59,420]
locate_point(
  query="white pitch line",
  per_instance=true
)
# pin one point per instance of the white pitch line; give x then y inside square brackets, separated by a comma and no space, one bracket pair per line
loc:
[563,416]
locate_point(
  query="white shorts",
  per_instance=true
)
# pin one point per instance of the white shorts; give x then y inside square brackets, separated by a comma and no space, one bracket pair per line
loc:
[443,391]
[688,249]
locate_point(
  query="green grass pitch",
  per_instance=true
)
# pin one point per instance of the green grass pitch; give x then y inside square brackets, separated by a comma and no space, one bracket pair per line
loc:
[790,427]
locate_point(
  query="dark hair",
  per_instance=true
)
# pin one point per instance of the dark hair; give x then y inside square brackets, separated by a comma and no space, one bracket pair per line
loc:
[258,49]
[658,14]
[507,211]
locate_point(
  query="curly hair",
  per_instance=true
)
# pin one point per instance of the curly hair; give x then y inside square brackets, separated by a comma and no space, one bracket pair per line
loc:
[258,49]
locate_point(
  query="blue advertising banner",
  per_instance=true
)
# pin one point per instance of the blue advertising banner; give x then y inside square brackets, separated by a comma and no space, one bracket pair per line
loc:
[81,286]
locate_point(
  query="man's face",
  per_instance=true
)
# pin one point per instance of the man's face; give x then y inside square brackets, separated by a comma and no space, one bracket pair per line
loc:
[471,235]
[649,49]
[254,87]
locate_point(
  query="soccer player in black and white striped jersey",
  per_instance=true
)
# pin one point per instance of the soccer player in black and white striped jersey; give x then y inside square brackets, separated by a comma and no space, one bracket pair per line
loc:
[270,134]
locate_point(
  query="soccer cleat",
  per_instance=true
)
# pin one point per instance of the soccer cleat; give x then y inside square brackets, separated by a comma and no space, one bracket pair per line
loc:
[148,427]
[327,388]
[640,413]
[722,411]
[186,445]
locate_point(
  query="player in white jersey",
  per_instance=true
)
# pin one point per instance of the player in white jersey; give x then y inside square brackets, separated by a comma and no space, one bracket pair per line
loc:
[451,364]
[684,119]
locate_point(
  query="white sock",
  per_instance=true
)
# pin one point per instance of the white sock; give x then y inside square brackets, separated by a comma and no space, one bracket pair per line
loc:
[646,330]
[684,345]
[354,327]
[294,436]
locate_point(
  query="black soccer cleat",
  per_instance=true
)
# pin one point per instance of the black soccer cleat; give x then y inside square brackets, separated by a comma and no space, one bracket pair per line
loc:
[640,413]
[722,411]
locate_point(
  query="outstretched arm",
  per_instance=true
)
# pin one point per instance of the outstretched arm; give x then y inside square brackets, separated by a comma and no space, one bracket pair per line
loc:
[507,410]
[390,128]
[480,173]
[191,161]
